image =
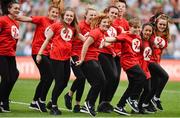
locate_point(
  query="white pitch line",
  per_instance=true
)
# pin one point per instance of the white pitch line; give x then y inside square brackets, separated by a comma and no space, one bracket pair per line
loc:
[171,91]
[27,104]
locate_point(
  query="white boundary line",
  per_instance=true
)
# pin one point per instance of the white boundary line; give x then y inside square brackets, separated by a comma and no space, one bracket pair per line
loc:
[27,104]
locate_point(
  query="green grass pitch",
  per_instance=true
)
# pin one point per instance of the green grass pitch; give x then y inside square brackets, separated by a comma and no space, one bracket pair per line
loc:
[23,93]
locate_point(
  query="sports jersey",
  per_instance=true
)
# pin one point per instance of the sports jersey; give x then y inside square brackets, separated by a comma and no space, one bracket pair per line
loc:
[111,32]
[158,44]
[92,52]
[130,53]
[146,56]
[42,24]
[77,43]
[119,24]
[9,35]
[61,41]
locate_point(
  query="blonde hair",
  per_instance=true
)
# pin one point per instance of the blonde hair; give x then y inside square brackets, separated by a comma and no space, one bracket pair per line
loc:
[59,4]
[134,22]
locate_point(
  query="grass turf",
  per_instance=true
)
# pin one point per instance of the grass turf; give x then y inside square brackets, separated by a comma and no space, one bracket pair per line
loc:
[24,90]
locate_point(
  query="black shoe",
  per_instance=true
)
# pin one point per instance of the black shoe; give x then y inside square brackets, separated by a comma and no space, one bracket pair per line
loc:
[104,107]
[83,110]
[5,107]
[41,106]
[68,101]
[90,108]
[147,109]
[157,104]
[33,105]
[152,107]
[121,111]
[133,104]
[76,109]
[49,105]
[55,111]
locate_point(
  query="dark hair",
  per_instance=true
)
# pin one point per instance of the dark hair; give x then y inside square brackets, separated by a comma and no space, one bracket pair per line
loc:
[150,43]
[6,4]
[123,1]
[106,10]
[143,26]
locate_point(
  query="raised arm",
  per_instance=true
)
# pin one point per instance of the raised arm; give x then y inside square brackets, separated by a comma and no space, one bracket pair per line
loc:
[48,37]
[85,47]
[23,18]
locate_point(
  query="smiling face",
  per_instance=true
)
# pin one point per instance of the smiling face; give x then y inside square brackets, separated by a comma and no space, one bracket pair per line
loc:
[113,13]
[68,17]
[147,32]
[104,24]
[135,29]
[162,25]
[122,8]
[14,9]
[53,13]
[90,15]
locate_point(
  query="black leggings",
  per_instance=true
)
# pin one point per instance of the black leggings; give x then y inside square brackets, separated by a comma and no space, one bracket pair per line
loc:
[118,66]
[46,78]
[159,78]
[61,71]
[136,78]
[145,91]
[8,76]
[79,82]
[109,68]
[96,78]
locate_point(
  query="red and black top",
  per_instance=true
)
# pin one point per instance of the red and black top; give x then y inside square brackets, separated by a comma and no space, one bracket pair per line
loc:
[130,54]
[61,41]
[9,35]
[119,24]
[77,43]
[98,37]
[42,24]
[158,45]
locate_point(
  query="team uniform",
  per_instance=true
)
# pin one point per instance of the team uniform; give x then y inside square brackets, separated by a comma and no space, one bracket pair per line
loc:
[60,55]
[131,65]
[158,80]
[79,82]
[91,67]
[45,67]
[9,35]
[118,24]
[144,62]
[108,65]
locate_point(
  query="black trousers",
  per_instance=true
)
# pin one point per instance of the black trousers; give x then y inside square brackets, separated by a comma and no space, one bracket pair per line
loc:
[136,78]
[79,82]
[46,77]
[118,66]
[159,78]
[110,70]
[96,78]
[61,71]
[145,91]
[8,76]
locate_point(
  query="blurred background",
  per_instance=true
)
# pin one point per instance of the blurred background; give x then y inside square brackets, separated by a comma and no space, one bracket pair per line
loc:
[141,8]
